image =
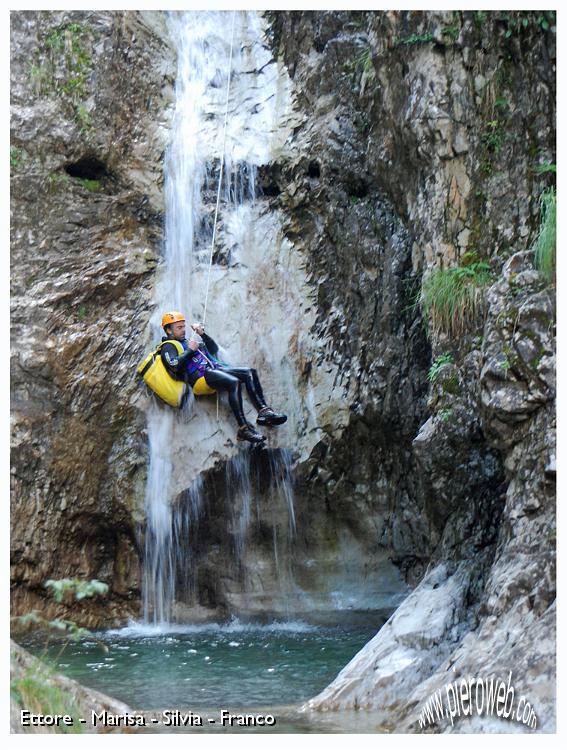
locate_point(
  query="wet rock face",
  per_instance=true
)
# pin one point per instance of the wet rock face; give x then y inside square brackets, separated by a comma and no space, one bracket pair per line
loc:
[251,545]
[358,254]
[429,119]
[90,96]
[518,373]
[470,112]
[503,621]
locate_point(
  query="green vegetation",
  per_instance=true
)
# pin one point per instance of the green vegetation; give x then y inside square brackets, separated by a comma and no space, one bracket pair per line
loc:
[497,128]
[412,39]
[75,87]
[62,66]
[364,62]
[545,168]
[35,689]
[493,136]
[514,25]
[451,32]
[80,589]
[545,245]
[514,290]
[64,589]
[452,299]
[63,63]
[521,21]
[66,41]
[480,18]
[442,359]
[16,156]
[83,117]
[92,185]
[502,103]
[54,179]
[477,342]
[65,627]
[445,413]
[41,78]
[362,123]
[545,21]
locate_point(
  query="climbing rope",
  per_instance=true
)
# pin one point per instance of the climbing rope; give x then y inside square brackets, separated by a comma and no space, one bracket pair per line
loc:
[221,168]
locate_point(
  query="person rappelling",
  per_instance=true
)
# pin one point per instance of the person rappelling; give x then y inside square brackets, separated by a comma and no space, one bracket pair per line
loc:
[178,365]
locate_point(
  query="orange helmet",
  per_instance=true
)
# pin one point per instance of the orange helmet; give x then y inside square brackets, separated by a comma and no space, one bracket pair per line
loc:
[171,317]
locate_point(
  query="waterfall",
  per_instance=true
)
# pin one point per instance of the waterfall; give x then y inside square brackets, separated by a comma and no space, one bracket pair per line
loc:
[158,578]
[282,492]
[185,528]
[237,479]
[280,464]
[202,59]
[192,167]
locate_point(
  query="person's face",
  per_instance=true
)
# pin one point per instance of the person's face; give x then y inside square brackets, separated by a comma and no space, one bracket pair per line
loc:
[178,330]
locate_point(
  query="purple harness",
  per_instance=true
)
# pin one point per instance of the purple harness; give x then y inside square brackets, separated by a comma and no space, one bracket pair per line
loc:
[199,363]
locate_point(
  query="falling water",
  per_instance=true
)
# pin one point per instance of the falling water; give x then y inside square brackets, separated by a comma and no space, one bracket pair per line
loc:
[280,464]
[282,492]
[202,59]
[237,478]
[192,169]
[185,528]
[159,559]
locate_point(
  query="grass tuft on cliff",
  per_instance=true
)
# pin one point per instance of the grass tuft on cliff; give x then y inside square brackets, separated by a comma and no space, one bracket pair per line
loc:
[545,245]
[452,299]
[36,692]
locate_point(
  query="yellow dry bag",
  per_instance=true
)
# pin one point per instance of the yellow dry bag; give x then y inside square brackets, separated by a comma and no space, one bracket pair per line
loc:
[159,380]
[202,389]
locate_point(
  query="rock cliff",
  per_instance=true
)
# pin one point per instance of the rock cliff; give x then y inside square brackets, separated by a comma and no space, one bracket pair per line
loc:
[450,153]
[90,95]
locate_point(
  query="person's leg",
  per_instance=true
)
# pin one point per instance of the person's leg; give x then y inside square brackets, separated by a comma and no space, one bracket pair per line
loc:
[249,376]
[223,381]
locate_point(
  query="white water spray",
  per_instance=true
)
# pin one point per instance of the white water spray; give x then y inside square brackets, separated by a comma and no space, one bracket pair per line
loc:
[192,168]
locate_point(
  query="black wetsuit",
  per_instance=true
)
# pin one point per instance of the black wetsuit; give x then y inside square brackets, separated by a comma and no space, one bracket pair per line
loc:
[190,366]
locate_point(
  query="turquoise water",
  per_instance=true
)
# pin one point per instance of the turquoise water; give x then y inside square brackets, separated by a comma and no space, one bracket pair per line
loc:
[194,666]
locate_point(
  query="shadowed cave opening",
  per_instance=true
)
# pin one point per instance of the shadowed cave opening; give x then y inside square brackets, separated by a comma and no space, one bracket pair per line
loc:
[87,168]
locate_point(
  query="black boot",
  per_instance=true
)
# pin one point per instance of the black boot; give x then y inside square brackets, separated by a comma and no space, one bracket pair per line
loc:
[247,432]
[267,416]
